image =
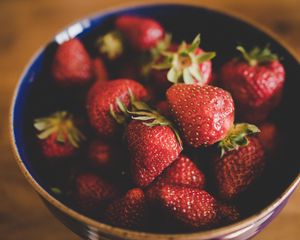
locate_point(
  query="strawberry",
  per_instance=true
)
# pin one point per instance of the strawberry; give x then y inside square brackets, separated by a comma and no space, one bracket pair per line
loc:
[72,64]
[240,167]
[182,172]
[203,114]
[268,136]
[101,154]
[227,213]
[103,104]
[153,143]
[190,207]
[100,71]
[152,149]
[141,33]
[58,135]
[183,63]
[92,192]
[163,108]
[130,211]
[255,82]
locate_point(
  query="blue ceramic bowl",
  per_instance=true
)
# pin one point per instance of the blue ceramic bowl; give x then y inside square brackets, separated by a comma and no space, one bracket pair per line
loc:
[36,96]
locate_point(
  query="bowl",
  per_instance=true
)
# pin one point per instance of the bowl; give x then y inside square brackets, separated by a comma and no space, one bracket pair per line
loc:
[35,96]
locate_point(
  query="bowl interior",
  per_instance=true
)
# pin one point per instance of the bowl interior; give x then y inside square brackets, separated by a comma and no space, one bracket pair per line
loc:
[37,96]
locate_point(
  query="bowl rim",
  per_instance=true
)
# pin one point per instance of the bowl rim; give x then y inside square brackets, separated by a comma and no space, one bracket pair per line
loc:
[120,232]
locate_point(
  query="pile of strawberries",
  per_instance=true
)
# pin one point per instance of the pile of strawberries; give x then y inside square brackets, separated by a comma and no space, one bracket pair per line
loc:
[165,146]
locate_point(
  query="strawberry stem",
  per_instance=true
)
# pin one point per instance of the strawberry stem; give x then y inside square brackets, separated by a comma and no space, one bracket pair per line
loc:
[111,45]
[142,112]
[183,65]
[237,137]
[62,124]
[257,56]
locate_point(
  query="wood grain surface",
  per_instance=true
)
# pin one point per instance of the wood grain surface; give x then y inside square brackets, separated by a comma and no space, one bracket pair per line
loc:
[28,24]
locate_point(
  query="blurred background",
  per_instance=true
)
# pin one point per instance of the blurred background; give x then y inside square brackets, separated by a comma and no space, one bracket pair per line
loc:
[28,24]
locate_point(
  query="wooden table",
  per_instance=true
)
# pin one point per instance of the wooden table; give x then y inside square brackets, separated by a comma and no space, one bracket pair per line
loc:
[27,25]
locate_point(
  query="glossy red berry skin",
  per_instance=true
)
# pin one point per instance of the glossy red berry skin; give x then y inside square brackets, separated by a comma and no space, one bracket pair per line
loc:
[256,89]
[52,149]
[151,149]
[190,207]
[72,64]
[239,169]
[102,95]
[100,70]
[182,172]
[130,211]
[141,33]
[92,192]
[203,114]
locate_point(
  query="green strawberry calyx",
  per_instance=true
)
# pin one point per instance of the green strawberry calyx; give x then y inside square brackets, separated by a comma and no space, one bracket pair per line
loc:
[151,118]
[120,116]
[141,111]
[183,65]
[62,124]
[148,59]
[257,56]
[56,190]
[111,45]
[237,137]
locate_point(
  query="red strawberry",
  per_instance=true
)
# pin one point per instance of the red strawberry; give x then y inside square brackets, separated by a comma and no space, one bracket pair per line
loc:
[204,114]
[58,135]
[101,154]
[152,149]
[163,108]
[255,82]
[72,64]
[182,172]
[183,63]
[237,169]
[141,33]
[227,213]
[130,211]
[92,192]
[100,71]
[102,103]
[268,136]
[191,207]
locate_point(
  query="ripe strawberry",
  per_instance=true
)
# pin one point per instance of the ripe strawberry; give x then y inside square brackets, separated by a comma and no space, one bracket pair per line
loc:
[100,71]
[58,135]
[255,82]
[204,114]
[268,136]
[183,63]
[103,103]
[72,64]
[92,192]
[152,148]
[101,154]
[182,172]
[237,169]
[130,211]
[163,108]
[141,33]
[227,213]
[191,207]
